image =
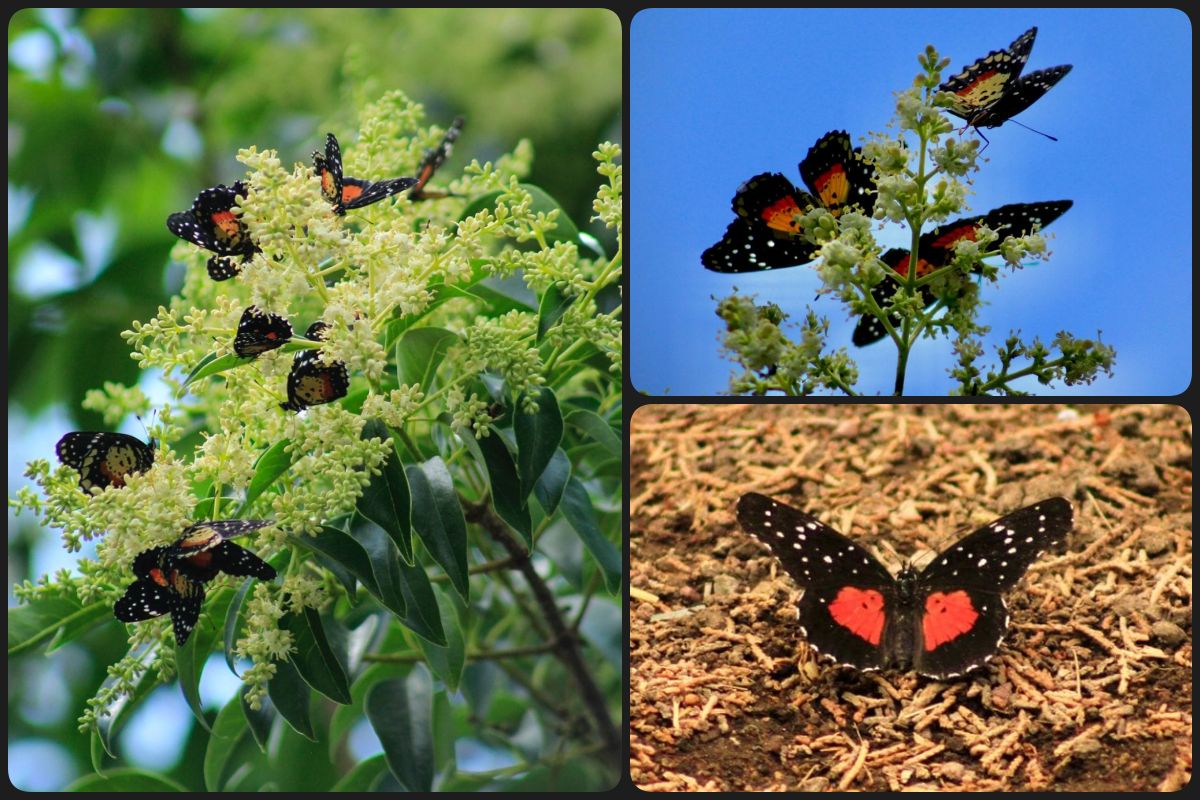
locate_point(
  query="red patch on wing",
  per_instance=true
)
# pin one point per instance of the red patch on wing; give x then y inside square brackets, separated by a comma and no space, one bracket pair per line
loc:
[228,223]
[202,559]
[350,191]
[158,577]
[948,239]
[947,616]
[782,215]
[859,611]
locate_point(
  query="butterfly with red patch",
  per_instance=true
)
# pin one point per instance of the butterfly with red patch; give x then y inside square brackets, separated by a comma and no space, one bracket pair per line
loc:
[161,588]
[212,224]
[344,192]
[432,162]
[204,550]
[943,621]
[260,331]
[937,250]
[312,383]
[766,233]
[104,459]
[991,91]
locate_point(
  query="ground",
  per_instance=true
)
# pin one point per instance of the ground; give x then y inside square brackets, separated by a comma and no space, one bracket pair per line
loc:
[1091,690]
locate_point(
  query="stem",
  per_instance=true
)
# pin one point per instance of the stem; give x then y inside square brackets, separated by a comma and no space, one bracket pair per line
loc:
[566,643]
[473,655]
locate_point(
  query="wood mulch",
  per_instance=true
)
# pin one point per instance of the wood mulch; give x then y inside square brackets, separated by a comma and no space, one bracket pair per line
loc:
[1092,689]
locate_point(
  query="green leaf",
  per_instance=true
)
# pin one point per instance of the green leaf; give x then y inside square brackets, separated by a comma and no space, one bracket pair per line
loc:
[507,498]
[447,660]
[553,481]
[231,619]
[192,657]
[125,780]
[423,618]
[271,465]
[211,364]
[386,500]
[593,425]
[401,712]
[364,777]
[345,718]
[335,546]
[228,731]
[438,519]
[62,618]
[292,698]
[419,352]
[384,559]
[577,508]
[538,436]
[314,657]
[551,308]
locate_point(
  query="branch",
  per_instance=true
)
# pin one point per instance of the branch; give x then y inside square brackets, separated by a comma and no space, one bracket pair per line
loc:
[566,644]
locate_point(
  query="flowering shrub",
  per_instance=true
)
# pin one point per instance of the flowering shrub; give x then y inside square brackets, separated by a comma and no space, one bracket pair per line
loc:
[481,334]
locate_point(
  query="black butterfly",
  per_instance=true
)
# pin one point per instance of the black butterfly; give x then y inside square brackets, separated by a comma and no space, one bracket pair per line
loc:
[212,224]
[434,158]
[345,192]
[312,383]
[260,331]
[991,91]
[104,459]
[171,578]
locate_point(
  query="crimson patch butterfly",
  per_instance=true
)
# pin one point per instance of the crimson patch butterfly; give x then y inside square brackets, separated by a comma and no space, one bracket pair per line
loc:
[212,224]
[943,621]
[992,91]
[434,158]
[171,578]
[312,383]
[104,459]
[345,192]
[259,331]
[937,250]
[767,233]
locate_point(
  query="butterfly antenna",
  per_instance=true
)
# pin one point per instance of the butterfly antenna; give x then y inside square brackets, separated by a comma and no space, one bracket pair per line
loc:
[1035,130]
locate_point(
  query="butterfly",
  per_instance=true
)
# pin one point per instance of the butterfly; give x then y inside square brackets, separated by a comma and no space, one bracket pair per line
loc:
[434,158]
[943,621]
[345,192]
[104,459]
[259,331]
[937,250]
[312,383]
[212,224]
[171,578]
[767,233]
[992,91]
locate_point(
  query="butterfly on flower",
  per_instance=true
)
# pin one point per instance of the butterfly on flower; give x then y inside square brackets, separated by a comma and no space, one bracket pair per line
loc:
[170,579]
[992,90]
[104,459]
[312,383]
[212,224]
[434,158]
[344,192]
[260,331]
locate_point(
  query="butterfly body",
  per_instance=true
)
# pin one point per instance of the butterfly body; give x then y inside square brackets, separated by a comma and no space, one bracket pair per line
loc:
[344,192]
[212,224]
[943,621]
[992,90]
[171,578]
[102,458]
[766,233]
[936,250]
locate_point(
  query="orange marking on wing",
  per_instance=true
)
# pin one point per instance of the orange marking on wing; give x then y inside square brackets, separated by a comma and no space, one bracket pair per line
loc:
[157,576]
[350,191]
[833,186]
[948,239]
[947,616]
[860,611]
[782,215]
[227,221]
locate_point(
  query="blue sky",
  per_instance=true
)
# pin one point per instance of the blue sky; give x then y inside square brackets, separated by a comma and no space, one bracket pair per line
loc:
[719,96]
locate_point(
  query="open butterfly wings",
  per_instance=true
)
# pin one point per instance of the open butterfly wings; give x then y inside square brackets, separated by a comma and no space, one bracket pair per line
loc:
[991,91]
[766,233]
[102,458]
[937,250]
[945,620]
[212,224]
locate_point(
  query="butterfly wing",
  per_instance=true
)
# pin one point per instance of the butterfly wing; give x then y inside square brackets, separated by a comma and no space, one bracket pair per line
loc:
[849,603]
[961,615]
[983,83]
[767,233]
[358,193]
[434,158]
[144,599]
[834,171]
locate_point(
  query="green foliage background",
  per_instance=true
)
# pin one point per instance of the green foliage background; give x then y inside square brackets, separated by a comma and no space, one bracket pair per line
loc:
[86,142]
